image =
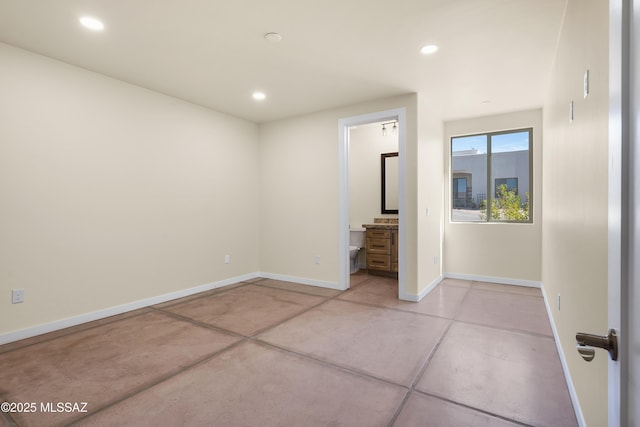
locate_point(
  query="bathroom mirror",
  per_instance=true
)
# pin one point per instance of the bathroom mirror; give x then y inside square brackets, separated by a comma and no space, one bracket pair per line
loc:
[389,182]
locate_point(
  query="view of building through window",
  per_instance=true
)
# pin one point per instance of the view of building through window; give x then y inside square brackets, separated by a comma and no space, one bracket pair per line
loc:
[491,175]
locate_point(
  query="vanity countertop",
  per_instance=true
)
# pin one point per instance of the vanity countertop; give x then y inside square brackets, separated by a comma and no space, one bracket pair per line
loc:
[386,226]
[384,223]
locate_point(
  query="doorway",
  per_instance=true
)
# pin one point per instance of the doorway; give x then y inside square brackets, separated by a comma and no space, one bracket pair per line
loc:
[373,195]
[344,125]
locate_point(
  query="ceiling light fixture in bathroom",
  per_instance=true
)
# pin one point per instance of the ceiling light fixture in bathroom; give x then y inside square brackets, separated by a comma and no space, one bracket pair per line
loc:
[259,96]
[395,127]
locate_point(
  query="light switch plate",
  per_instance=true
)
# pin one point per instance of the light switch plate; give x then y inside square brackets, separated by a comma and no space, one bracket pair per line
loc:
[17,296]
[586,83]
[571,112]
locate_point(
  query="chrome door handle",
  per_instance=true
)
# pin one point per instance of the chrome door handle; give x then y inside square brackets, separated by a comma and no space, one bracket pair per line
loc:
[586,342]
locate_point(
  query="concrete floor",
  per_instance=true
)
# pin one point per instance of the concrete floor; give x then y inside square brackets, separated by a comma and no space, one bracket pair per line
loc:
[272,353]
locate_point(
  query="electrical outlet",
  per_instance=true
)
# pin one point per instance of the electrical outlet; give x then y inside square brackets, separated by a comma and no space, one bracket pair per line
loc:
[227,259]
[436,259]
[316,259]
[17,296]
[558,301]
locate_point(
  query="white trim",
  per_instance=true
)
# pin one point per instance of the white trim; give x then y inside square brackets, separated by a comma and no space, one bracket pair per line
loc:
[119,309]
[630,356]
[565,368]
[620,212]
[417,298]
[402,202]
[301,280]
[343,203]
[343,191]
[490,279]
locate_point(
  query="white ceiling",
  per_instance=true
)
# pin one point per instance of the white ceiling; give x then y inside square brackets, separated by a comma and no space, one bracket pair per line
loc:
[333,52]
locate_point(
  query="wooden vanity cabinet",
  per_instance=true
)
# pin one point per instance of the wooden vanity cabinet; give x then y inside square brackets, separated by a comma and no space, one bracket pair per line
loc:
[394,251]
[382,251]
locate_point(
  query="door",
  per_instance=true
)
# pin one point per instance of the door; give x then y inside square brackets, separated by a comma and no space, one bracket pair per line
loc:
[624,232]
[623,339]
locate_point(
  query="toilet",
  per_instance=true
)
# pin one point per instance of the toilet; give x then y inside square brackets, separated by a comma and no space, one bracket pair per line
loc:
[356,242]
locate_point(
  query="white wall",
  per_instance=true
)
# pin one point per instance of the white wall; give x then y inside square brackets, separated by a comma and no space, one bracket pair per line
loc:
[575,196]
[430,179]
[112,193]
[510,252]
[366,143]
[299,197]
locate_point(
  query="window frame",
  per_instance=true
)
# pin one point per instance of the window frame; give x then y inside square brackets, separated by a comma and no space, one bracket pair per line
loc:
[490,194]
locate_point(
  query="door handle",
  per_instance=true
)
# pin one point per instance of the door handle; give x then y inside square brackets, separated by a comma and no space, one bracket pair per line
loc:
[585,344]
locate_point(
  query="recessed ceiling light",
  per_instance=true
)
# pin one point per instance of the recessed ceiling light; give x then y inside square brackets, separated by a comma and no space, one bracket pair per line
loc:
[259,96]
[429,49]
[92,23]
[273,37]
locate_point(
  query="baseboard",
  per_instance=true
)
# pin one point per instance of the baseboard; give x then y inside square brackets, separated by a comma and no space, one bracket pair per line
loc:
[490,279]
[565,367]
[112,311]
[301,280]
[417,298]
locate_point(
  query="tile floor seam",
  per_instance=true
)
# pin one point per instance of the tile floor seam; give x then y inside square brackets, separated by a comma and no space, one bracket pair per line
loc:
[298,292]
[237,334]
[158,381]
[275,325]
[44,340]
[106,322]
[520,331]
[461,303]
[399,410]
[506,293]
[444,399]
[368,279]
[326,363]
[425,365]
[326,300]
[419,374]
[429,357]
[198,323]
[368,304]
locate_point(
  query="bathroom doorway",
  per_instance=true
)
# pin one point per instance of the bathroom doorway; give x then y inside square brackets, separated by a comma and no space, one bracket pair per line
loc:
[351,130]
[373,193]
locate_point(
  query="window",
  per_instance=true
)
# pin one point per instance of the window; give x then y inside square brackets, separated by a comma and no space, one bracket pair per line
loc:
[491,177]
[461,190]
[510,183]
